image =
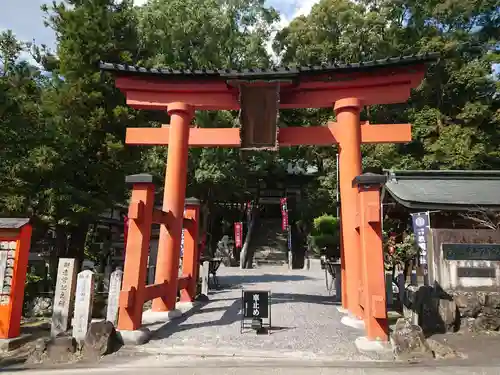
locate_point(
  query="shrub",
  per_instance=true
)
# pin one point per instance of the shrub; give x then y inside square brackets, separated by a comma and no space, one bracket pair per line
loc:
[326,224]
[325,236]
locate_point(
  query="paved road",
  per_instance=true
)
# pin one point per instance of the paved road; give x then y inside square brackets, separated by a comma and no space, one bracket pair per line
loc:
[194,366]
[305,319]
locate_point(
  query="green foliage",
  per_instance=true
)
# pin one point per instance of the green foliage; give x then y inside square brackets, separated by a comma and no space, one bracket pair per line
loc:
[31,289]
[326,224]
[399,250]
[325,236]
[454,112]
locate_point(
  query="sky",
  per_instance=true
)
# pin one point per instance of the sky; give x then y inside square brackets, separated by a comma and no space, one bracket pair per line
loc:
[25,18]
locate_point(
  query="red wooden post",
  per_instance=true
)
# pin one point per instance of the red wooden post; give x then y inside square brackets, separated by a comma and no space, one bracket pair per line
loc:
[349,138]
[372,258]
[190,262]
[167,262]
[16,233]
[140,216]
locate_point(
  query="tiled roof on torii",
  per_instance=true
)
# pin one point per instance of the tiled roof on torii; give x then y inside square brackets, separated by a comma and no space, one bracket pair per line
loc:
[287,72]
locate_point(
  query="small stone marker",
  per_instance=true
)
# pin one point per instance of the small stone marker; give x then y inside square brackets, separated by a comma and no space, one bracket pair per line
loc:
[65,287]
[83,304]
[204,277]
[115,286]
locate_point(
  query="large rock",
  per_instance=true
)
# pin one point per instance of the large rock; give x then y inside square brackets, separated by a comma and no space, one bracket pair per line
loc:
[101,339]
[448,317]
[437,311]
[468,305]
[488,320]
[492,300]
[61,349]
[443,351]
[479,310]
[408,341]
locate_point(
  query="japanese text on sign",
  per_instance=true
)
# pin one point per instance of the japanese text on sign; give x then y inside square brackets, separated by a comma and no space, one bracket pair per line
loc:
[255,304]
[255,307]
[238,234]
[421,229]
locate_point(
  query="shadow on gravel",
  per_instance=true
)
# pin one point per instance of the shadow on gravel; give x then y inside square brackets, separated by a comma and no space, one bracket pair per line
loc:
[233,313]
[303,298]
[241,281]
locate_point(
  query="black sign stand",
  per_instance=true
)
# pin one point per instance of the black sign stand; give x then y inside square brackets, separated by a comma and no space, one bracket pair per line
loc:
[255,311]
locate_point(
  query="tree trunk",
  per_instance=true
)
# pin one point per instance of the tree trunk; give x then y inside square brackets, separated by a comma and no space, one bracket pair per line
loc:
[59,251]
[76,248]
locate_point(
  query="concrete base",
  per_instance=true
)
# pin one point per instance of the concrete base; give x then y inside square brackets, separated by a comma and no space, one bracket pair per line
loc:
[152,317]
[342,310]
[352,322]
[184,306]
[138,337]
[6,345]
[363,344]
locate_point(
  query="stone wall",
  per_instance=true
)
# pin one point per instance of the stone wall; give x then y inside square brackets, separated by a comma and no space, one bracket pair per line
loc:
[479,310]
[440,311]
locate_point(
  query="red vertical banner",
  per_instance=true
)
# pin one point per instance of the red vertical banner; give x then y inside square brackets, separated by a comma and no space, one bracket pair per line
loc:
[238,235]
[284,221]
[284,214]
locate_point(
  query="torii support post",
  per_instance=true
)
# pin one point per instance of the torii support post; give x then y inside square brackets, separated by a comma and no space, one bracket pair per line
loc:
[167,263]
[140,215]
[15,240]
[349,137]
[373,296]
[190,262]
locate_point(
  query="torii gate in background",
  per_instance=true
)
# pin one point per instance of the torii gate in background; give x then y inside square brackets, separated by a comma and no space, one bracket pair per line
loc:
[260,94]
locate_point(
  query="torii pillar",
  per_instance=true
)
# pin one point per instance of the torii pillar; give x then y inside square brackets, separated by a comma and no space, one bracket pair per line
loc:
[174,195]
[347,111]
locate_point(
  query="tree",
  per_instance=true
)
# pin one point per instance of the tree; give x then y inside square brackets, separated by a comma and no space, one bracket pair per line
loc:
[483,218]
[70,125]
[206,34]
[25,153]
[454,112]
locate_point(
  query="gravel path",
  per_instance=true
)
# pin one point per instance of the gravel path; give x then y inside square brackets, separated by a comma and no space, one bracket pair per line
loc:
[305,319]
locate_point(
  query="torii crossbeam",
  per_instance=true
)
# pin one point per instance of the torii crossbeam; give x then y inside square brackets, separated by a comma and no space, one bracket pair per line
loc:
[259,95]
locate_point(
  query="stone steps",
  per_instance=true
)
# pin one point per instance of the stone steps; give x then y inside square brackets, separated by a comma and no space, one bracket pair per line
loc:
[269,245]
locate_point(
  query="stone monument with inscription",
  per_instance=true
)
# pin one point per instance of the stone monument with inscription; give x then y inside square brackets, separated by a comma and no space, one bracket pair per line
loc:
[63,298]
[471,265]
[461,259]
[115,286]
[83,304]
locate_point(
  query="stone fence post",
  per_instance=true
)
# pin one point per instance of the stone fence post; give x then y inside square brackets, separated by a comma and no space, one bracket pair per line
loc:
[83,304]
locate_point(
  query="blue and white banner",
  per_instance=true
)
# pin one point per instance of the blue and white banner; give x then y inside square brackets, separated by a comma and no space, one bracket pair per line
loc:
[421,227]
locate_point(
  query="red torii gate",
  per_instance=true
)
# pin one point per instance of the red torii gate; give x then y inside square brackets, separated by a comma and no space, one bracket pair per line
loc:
[259,94]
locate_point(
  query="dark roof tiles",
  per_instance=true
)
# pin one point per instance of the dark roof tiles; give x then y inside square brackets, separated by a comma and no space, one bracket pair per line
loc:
[13,223]
[273,71]
[445,189]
